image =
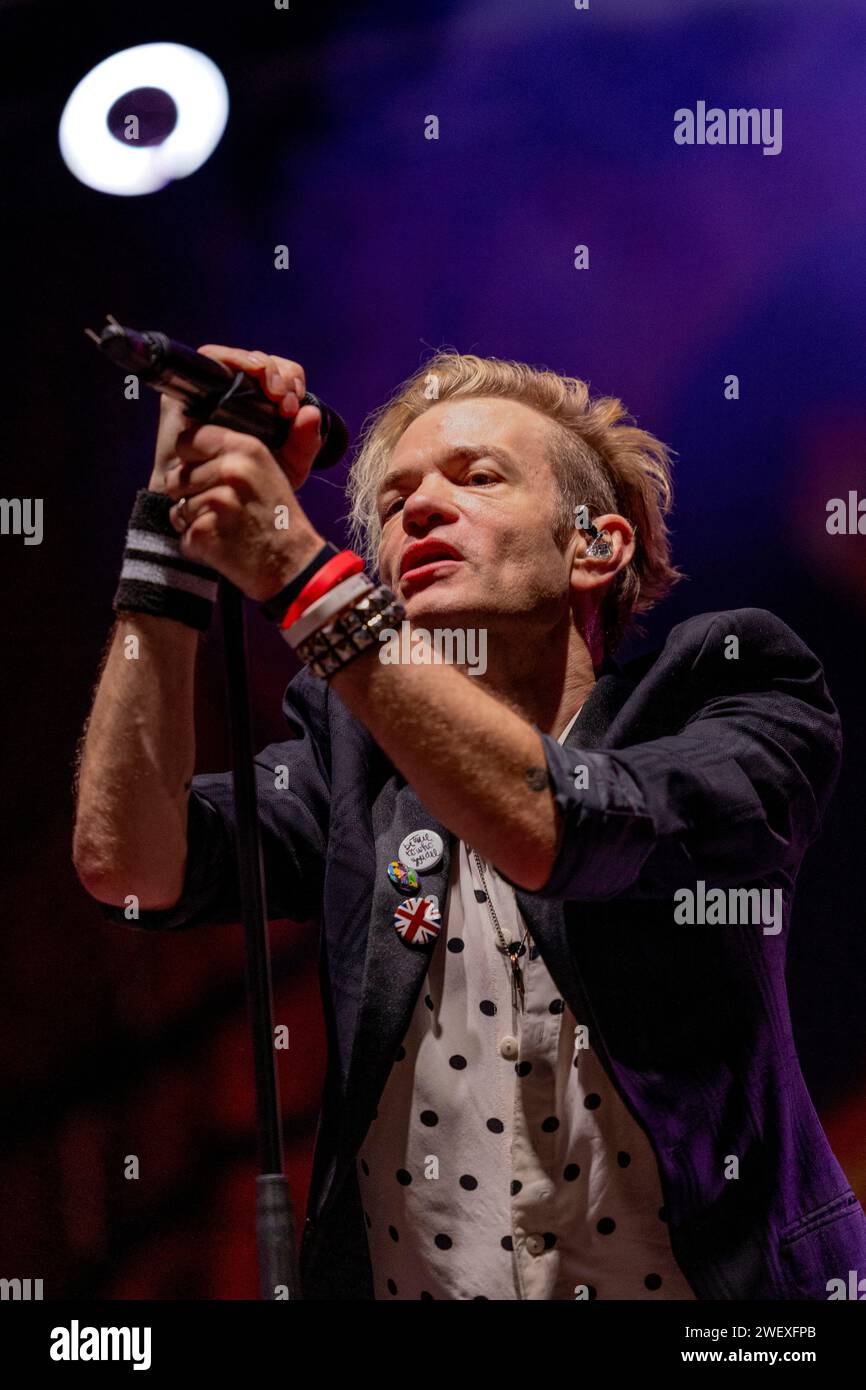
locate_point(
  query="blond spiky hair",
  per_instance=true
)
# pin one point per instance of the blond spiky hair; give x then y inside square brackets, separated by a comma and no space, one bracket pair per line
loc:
[598,455]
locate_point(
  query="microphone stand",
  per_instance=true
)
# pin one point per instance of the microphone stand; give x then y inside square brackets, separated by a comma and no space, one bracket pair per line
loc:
[212,391]
[279,1275]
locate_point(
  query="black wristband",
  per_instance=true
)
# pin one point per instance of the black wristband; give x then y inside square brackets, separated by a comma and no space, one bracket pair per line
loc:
[276,606]
[156,578]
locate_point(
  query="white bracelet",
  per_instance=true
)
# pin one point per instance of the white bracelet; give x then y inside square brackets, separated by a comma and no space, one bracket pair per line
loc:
[327,607]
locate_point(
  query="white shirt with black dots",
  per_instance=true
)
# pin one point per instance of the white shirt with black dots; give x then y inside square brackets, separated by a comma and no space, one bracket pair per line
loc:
[502,1162]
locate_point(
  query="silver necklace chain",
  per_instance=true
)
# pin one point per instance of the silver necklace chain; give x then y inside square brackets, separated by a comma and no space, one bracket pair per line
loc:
[514,950]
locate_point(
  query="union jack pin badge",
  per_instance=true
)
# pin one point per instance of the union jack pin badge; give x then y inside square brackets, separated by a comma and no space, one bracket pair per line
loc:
[417,921]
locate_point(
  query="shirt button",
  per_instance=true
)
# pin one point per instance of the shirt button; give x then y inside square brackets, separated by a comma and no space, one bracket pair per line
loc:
[535,1244]
[509,1047]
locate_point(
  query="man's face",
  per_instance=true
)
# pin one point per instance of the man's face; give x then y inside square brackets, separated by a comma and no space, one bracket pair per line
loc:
[473,475]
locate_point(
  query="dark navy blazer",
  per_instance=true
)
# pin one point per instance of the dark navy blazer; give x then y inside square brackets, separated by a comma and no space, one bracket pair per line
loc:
[701,766]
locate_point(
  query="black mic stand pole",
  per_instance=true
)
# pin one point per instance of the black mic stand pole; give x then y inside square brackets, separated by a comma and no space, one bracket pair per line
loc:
[279,1276]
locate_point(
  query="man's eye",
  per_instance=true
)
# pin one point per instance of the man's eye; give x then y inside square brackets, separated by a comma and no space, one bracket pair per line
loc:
[475,474]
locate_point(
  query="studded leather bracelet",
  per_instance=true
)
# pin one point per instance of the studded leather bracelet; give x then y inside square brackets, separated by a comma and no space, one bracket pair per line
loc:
[351,632]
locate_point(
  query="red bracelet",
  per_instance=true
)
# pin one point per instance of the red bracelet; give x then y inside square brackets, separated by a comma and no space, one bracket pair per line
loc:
[339,567]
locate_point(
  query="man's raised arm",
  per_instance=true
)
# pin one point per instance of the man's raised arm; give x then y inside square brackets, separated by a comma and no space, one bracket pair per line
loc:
[136,762]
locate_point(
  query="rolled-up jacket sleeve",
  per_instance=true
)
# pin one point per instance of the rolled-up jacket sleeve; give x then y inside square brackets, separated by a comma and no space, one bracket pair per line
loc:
[293,794]
[738,792]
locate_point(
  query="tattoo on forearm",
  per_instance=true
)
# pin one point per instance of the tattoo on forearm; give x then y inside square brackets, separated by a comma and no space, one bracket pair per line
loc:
[537,778]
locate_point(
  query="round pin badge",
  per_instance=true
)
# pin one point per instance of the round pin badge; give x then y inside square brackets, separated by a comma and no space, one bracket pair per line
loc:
[417,921]
[422,850]
[402,875]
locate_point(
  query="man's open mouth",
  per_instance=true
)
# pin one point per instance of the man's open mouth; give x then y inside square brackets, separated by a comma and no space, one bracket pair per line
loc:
[425,569]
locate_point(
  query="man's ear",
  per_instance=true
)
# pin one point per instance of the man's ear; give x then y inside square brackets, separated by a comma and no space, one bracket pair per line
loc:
[622,535]
[602,550]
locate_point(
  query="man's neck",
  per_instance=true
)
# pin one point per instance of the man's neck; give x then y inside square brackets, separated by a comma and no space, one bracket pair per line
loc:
[546,690]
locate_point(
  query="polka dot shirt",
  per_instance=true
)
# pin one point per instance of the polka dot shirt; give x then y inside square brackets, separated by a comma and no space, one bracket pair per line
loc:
[502,1163]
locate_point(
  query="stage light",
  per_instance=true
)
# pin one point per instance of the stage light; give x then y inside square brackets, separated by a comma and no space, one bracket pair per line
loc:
[144,117]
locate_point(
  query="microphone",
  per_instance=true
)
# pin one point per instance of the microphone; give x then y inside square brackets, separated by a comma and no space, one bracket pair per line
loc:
[211,391]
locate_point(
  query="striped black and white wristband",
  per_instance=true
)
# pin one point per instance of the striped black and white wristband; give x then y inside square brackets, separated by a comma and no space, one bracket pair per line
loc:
[156,578]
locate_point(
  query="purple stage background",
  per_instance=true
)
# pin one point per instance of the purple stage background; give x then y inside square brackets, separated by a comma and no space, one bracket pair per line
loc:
[555,129]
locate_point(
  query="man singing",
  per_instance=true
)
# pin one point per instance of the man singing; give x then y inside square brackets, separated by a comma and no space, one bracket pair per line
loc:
[552,892]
